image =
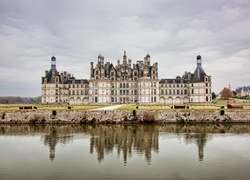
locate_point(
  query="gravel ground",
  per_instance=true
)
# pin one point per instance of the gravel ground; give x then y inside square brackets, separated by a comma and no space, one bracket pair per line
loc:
[109,107]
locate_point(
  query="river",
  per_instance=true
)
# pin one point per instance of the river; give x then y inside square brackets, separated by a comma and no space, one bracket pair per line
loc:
[124,152]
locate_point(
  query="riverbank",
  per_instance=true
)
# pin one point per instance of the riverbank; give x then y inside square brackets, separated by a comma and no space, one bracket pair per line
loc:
[123,117]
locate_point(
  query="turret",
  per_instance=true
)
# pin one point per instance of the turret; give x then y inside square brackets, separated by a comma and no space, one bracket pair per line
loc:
[100,59]
[198,61]
[199,73]
[53,62]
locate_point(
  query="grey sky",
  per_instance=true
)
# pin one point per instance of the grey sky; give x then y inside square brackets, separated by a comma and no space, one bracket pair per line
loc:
[173,32]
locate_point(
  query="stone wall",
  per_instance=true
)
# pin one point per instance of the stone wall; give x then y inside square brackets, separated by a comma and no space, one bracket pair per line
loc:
[116,116]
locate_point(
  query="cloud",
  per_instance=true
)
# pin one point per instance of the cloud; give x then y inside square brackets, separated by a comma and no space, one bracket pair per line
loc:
[173,32]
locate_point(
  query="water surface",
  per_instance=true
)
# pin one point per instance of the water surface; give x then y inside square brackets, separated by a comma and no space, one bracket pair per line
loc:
[124,152]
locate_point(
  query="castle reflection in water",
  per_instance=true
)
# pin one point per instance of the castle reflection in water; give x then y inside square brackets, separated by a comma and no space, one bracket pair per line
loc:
[125,139]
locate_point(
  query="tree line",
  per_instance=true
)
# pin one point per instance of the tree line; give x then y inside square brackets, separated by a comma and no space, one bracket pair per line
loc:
[19,100]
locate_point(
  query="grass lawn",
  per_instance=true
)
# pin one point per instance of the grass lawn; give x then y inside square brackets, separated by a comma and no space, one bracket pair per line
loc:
[216,105]
[51,107]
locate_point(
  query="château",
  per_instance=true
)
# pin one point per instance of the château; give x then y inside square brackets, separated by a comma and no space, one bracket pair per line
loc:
[125,82]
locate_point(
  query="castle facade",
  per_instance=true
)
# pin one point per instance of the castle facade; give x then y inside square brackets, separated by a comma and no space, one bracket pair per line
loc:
[125,83]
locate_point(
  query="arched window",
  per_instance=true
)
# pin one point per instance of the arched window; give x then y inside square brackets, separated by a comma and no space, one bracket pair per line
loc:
[97,72]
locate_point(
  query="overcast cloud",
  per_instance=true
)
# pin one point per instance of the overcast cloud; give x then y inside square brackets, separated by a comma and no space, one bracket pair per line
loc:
[173,32]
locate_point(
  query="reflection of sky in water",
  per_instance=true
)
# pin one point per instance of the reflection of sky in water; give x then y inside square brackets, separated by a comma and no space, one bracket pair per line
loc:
[28,157]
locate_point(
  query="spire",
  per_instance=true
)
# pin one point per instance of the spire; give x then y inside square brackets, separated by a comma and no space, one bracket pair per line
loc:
[124,58]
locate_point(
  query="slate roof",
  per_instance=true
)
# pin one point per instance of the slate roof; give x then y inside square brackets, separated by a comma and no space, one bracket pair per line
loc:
[198,75]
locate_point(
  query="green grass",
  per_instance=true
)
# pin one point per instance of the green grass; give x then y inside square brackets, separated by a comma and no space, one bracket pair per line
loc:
[216,105]
[191,106]
[51,107]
